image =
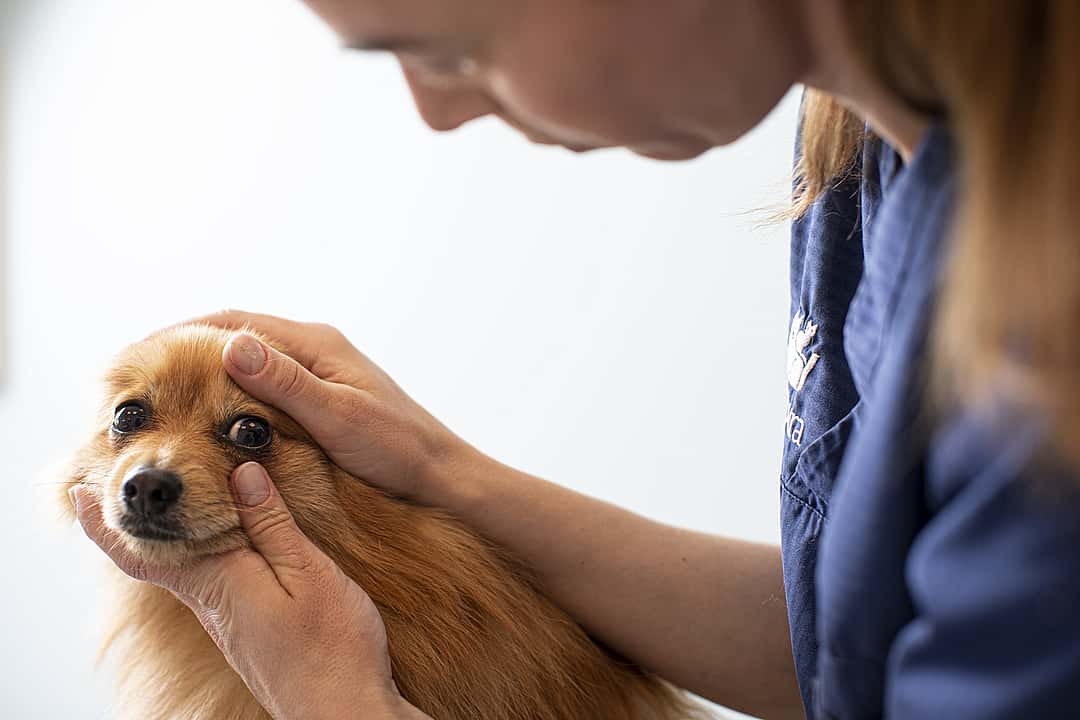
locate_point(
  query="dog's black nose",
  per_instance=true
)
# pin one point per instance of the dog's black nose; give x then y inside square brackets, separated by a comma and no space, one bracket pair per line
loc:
[151,491]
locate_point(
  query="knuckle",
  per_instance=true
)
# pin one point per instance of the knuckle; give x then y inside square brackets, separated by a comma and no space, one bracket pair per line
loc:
[314,565]
[290,379]
[307,565]
[271,523]
[300,555]
[330,334]
[322,583]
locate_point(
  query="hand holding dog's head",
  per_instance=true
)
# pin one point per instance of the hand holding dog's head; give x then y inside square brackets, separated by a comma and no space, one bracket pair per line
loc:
[171,431]
[162,489]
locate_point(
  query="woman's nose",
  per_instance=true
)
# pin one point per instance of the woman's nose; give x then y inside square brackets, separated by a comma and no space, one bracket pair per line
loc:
[450,108]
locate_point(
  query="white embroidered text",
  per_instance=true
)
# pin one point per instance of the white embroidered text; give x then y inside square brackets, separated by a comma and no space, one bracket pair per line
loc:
[795,427]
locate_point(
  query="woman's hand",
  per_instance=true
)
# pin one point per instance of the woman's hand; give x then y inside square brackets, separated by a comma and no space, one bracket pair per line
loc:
[349,406]
[304,637]
[703,612]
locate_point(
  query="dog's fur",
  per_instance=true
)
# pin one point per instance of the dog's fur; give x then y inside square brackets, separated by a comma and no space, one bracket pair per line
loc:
[470,635]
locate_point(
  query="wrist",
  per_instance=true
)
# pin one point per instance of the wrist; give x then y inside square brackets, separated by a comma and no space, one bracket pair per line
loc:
[453,477]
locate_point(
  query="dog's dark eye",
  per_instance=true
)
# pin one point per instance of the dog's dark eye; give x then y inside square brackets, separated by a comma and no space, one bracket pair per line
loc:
[250,433]
[130,418]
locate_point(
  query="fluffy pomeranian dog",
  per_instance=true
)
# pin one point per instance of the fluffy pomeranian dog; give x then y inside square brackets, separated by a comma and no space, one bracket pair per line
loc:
[470,636]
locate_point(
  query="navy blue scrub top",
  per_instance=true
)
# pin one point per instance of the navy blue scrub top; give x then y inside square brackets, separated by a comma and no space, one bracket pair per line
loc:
[932,568]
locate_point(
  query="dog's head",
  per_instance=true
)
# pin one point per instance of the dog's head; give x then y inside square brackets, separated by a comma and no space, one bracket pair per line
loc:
[171,431]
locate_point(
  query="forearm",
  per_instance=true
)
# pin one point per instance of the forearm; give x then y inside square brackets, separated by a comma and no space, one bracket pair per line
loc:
[705,612]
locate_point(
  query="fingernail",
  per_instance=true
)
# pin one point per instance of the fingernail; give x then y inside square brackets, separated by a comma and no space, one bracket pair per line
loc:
[247,354]
[251,484]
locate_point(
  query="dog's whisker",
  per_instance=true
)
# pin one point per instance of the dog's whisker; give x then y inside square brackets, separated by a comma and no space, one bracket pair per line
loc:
[43,483]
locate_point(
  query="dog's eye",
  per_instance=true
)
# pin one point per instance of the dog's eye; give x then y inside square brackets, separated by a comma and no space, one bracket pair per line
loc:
[130,418]
[250,433]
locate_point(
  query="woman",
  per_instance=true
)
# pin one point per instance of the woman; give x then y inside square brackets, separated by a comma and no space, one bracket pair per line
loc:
[931,541]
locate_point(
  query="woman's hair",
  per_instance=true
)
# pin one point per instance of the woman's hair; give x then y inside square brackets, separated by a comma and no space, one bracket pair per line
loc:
[1002,77]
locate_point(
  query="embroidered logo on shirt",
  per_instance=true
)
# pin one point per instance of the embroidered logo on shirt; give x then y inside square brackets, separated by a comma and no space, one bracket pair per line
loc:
[798,364]
[795,427]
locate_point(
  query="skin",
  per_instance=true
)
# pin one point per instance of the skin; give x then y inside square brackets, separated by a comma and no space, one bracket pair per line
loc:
[665,80]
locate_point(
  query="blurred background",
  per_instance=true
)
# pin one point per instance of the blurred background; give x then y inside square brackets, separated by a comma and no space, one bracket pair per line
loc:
[612,323]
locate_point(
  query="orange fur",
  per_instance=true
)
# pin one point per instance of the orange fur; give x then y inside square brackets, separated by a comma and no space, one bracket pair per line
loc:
[470,635]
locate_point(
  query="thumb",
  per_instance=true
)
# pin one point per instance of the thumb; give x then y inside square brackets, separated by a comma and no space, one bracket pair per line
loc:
[272,530]
[277,379]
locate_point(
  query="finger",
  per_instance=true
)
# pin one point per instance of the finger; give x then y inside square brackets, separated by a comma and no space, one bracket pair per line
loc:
[272,530]
[91,518]
[277,379]
[293,337]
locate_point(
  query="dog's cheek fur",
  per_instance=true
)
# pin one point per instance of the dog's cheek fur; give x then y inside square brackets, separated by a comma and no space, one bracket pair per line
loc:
[89,466]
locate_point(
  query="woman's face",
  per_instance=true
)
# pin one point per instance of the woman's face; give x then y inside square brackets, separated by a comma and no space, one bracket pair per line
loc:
[667,80]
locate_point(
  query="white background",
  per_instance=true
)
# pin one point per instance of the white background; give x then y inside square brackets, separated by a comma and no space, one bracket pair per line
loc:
[612,323]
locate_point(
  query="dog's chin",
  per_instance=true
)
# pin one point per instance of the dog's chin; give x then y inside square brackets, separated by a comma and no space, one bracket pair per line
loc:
[174,549]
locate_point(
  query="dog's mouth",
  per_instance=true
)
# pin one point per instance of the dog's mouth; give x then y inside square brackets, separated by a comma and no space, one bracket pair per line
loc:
[173,540]
[155,530]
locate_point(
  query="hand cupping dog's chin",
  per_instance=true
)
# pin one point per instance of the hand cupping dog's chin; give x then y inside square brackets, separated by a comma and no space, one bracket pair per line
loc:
[170,551]
[177,553]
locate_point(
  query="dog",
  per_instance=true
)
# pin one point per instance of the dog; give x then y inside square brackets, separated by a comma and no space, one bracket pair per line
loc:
[470,634]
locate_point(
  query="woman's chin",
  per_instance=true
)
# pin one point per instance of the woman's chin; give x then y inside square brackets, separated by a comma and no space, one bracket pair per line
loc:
[671,153]
[665,153]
